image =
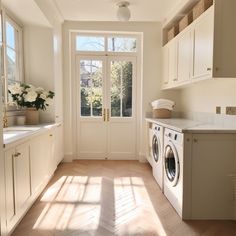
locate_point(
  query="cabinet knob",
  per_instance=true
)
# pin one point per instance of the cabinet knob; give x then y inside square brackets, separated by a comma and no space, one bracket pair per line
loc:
[208,69]
[195,140]
[50,135]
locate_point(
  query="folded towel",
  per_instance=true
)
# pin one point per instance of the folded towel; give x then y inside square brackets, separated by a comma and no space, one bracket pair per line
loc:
[163,103]
[168,107]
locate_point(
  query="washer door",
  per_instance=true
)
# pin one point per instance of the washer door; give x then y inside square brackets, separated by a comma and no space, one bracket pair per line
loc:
[172,168]
[155,148]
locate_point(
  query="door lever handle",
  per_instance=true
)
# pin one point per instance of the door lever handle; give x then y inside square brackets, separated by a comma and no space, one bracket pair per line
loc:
[108,115]
[104,114]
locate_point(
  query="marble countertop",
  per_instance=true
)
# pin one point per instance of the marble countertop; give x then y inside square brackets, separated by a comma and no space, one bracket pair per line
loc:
[15,134]
[191,126]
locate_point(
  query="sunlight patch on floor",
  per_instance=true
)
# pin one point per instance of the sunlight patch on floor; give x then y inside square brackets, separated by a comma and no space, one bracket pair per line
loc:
[121,206]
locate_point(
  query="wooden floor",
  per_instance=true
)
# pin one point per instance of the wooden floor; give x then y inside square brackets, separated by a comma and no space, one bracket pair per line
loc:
[109,198]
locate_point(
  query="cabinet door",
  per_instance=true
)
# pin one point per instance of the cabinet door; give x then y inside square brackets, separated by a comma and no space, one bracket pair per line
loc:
[38,163]
[9,185]
[22,176]
[203,46]
[49,149]
[58,144]
[165,65]
[173,68]
[185,56]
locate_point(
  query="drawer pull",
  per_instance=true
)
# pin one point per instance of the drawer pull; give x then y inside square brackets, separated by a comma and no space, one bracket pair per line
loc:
[208,69]
[17,154]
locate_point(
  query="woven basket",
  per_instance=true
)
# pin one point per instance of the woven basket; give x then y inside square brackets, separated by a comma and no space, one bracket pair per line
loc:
[200,7]
[172,32]
[185,21]
[161,113]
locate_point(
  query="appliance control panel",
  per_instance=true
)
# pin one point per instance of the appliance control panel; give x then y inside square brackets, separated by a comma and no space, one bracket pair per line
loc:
[174,136]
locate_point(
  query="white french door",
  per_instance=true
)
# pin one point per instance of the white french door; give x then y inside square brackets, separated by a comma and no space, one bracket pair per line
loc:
[106,114]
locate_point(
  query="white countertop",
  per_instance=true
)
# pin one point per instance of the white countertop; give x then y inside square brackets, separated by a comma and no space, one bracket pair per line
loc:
[191,126]
[14,134]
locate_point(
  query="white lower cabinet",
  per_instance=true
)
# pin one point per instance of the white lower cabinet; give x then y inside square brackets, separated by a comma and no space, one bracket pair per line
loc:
[9,188]
[22,176]
[17,183]
[58,152]
[28,168]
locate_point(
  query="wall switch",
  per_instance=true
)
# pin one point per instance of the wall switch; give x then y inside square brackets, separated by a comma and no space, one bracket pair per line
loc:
[230,110]
[218,110]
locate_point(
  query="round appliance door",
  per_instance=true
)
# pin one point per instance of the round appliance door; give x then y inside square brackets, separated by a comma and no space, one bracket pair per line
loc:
[155,148]
[172,168]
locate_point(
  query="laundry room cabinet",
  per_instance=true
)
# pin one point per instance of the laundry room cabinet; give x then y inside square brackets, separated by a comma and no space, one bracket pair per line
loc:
[17,182]
[203,32]
[213,163]
[28,166]
[206,48]
[184,57]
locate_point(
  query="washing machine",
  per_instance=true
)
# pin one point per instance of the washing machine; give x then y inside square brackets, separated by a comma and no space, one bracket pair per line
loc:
[157,153]
[173,168]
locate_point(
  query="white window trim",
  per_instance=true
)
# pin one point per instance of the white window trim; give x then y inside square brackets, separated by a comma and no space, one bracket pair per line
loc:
[19,50]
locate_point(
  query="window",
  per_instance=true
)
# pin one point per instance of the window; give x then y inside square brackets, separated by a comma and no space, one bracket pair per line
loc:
[118,44]
[11,41]
[90,43]
[106,43]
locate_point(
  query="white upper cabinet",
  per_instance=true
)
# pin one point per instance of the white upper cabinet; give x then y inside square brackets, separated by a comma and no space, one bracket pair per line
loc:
[205,49]
[203,46]
[170,69]
[185,56]
[173,69]
[165,65]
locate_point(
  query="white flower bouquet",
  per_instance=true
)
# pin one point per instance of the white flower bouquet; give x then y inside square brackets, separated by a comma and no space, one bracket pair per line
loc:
[26,95]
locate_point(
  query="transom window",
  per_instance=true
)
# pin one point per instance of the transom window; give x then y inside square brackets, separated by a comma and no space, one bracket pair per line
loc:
[11,42]
[91,43]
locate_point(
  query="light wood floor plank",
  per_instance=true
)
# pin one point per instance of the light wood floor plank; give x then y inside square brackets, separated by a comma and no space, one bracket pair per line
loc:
[106,198]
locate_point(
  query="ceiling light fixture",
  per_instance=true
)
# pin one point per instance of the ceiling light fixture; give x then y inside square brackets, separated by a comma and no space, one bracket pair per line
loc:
[123,12]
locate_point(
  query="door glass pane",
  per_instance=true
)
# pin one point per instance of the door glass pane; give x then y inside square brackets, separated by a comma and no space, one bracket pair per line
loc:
[10,35]
[118,44]
[11,65]
[90,43]
[91,87]
[121,88]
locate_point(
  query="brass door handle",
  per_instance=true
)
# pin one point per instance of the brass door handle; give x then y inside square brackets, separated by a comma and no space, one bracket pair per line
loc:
[104,114]
[108,115]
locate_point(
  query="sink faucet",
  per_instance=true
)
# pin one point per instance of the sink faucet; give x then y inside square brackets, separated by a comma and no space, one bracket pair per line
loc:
[5,123]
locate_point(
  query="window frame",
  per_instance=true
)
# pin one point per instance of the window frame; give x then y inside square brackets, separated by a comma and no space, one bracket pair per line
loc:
[106,36]
[18,28]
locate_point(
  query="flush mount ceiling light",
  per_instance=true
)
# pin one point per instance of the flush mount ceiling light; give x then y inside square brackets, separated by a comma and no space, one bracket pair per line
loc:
[123,12]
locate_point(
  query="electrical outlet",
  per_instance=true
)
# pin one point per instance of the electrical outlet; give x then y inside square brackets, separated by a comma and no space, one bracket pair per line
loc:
[218,110]
[231,111]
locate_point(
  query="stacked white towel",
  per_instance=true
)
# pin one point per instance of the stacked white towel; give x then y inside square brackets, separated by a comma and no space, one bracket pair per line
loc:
[163,104]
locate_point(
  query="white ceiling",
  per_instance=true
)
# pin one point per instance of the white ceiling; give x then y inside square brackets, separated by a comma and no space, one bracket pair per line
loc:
[29,12]
[105,10]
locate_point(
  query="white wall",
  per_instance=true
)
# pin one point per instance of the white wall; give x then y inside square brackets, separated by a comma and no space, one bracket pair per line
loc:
[204,96]
[151,70]
[38,61]
[55,18]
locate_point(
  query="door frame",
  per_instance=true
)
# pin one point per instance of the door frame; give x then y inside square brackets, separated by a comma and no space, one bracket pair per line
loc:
[106,59]
[72,155]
